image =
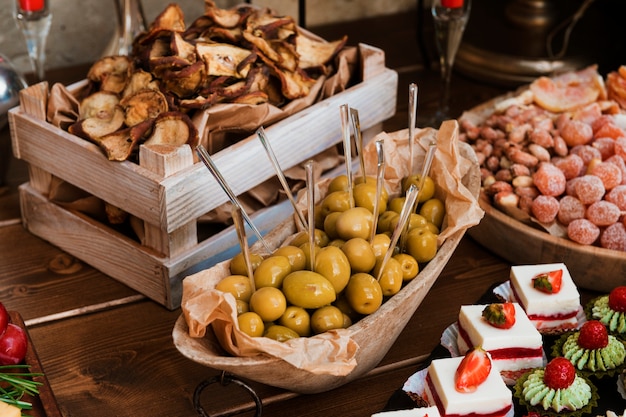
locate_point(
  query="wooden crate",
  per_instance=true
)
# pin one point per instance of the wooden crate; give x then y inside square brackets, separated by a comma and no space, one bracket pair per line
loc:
[168,191]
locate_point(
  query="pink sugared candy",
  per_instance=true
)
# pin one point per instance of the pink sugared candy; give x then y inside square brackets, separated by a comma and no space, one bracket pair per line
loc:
[570,208]
[583,231]
[549,179]
[545,208]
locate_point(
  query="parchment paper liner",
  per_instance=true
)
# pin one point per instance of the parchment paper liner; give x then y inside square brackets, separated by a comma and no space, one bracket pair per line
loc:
[333,352]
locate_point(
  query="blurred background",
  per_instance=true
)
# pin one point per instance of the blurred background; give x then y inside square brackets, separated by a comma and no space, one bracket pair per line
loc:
[81,29]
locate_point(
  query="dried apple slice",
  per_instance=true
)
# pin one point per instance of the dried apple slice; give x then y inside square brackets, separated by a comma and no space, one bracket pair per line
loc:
[100,104]
[143,105]
[111,73]
[120,145]
[223,59]
[228,18]
[140,80]
[173,128]
[315,53]
[93,128]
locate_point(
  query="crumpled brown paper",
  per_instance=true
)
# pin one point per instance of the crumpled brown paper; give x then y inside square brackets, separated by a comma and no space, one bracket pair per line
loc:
[208,310]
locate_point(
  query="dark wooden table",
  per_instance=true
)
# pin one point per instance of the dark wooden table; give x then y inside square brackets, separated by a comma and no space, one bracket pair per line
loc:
[107,350]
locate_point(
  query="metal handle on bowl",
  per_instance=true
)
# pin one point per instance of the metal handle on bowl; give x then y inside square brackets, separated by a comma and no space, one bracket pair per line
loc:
[225,379]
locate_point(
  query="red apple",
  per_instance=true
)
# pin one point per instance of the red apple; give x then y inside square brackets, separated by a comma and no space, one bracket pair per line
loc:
[13,345]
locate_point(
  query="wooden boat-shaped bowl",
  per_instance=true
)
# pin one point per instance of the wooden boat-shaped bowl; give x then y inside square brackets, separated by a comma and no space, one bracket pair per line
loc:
[593,268]
[375,334]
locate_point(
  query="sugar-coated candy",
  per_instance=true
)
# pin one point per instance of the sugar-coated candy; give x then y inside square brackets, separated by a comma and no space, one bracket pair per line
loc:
[603,213]
[589,189]
[549,179]
[587,152]
[570,208]
[614,237]
[576,132]
[583,231]
[572,165]
[545,208]
[609,173]
[617,196]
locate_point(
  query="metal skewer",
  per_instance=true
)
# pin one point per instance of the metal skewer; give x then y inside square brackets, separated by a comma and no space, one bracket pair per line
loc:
[380,176]
[243,242]
[407,209]
[281,176]
[412,122]
[344,111]
[358,139]
[310,186]
[206,159]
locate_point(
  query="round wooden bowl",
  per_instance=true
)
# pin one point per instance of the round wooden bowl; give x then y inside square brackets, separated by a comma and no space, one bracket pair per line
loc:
[374,334]
[591,267]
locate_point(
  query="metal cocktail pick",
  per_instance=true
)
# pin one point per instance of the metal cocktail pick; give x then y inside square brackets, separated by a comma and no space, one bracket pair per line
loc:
[310,187]
[281,176]
[206,158]
[412,122]
[358,139]
[243,242]
[407,209]
[380,176]
[344,111]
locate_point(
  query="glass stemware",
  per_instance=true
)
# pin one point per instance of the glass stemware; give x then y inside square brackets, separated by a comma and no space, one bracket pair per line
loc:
[450,18]
[33,17]
[130,23]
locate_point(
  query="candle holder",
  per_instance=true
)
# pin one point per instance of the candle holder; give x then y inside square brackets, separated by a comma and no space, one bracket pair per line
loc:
[33,18]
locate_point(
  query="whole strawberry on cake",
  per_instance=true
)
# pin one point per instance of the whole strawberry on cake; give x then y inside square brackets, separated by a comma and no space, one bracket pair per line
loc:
[556,390]
[592,350]
[610,310]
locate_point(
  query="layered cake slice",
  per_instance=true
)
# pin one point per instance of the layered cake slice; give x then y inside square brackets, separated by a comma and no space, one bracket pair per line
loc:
[467,386]
[548,295]
[505,331]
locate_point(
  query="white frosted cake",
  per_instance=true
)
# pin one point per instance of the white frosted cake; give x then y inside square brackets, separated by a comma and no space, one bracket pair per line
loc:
[415,412]
[548,311]
[491,398]
[515,348]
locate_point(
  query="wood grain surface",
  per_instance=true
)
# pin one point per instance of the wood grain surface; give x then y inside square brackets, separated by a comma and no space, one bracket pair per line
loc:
[107,351]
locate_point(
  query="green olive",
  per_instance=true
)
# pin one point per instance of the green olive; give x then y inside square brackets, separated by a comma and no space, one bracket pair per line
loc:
[355,222]
[238,263]
[364,293]
[242,307]
[297,319]
[410,267]
[237,285]
[391,278]
[251,324]
[380,245]
[308,289]
[360,254]
[336,201]
[339,183]
[321,239]
[433,210]
[269,303]
[307,253]
[280,333]
[295,255]
[396,204]
[333,264]
[343,304]
[326,318]
[428,190]
[330,224]
[387,221]
[416,221]
[421,244]
[336,242]
[271,271]
[365,196]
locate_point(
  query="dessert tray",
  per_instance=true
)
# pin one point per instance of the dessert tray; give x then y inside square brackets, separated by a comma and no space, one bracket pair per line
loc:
[611,395]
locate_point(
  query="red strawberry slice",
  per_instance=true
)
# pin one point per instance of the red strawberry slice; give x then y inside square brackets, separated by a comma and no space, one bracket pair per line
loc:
[559,373]
[500,315]
[473,370]
[549,282]
[593,335]
[617,299]
[453,4]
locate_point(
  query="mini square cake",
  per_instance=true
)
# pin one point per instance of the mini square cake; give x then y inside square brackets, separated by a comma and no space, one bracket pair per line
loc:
[554,311]
[491,398]
[517,348]
[415,412]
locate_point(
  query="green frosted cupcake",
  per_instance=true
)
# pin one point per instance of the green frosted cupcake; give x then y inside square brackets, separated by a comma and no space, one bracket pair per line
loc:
[610,310]
[592,350]
[556,390]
